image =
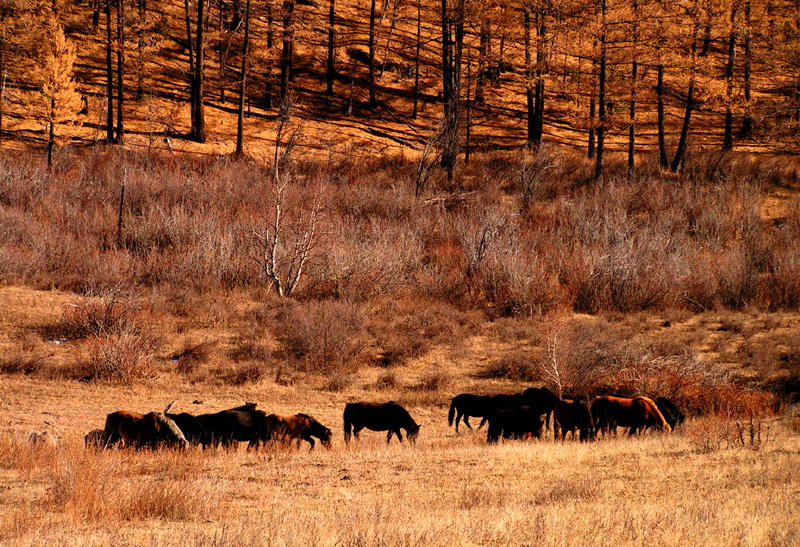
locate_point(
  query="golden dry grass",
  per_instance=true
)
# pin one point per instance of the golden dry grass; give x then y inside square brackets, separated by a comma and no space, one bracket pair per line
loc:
[695,487]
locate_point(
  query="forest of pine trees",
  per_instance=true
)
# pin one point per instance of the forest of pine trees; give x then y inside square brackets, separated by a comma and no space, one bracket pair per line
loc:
[594,74]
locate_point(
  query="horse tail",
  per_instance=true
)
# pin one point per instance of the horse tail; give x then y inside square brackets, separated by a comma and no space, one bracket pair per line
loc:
[654,408]
[452,413]
[348,425]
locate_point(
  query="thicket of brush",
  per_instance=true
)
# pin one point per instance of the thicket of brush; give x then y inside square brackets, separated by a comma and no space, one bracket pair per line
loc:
[519,235]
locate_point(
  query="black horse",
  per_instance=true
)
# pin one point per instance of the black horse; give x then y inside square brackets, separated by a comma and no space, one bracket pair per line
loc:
[514,423]
[672,414]
[468,405]
[227,427]
[541,400]
[389,417]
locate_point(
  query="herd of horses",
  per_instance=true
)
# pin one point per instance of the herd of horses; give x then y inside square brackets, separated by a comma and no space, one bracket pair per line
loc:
[510,416]
[520,415]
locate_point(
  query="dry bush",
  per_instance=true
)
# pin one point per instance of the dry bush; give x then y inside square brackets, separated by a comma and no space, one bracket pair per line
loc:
[122,357]
[339,381]
[321,336]
[435,380]
[387,379]
[23,362]
[241,373]
[248,348]
[518,366]
[192,356]
[107,312]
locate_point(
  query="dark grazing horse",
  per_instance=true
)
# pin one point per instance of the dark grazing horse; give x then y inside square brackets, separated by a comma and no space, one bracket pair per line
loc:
[514,423]
[467,405]
[227,427]
[300,427]
[389,417]
[571,415]
[152,430]
[541,400]
[670,411]
[637,414]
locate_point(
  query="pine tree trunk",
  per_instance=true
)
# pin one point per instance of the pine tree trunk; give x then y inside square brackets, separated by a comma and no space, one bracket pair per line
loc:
[747,123]
[662,146]
[541,56]
[109,77]
[51,137]
[120,68]
[95,14]
[416,59]
[634,74]
[268,75]
[727,141]
[680,153]
[590,150]
[483,70]
[601,128]
[140,51]
[372,52]
[330,73]
[286,53]
[529,91]
[199,123]
[190,47]
[243,88]
[2,83]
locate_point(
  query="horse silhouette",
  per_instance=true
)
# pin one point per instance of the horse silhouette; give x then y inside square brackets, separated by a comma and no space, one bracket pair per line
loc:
[389,417]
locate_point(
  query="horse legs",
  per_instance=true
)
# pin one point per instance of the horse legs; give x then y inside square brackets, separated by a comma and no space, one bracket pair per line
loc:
[466,421]
[389,437]
[483,421]
[310,439]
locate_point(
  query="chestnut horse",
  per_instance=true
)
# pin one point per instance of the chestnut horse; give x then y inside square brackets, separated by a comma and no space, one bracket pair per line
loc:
[637,414]
[571,415]
[301,427]
[389,417]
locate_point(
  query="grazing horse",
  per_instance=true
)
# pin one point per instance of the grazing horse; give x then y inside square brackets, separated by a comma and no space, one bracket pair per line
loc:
[671,412]
[300,426]
[571,415]
[228,427]
[514,423]
[467,405]
[151,430]
[379,417]
[541,400]
[637,414]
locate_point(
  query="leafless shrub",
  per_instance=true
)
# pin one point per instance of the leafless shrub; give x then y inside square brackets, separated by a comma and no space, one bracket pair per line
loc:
[192,356]
[123,357]
[23,362]
[518,366]
[339,381]
[386,380]
[241,373]
[435,380]
[109,312]
[322,336]
[248,348]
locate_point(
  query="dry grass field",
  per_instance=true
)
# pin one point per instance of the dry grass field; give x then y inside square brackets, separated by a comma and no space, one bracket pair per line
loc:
[698,486]
[708,483]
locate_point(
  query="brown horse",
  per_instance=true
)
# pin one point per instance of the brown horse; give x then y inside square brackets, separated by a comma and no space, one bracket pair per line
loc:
[636,414]
[301,427]
[151,430]
[389,417]
[571,415]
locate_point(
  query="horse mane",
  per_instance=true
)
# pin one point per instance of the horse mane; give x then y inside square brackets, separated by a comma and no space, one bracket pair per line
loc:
[654,408]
